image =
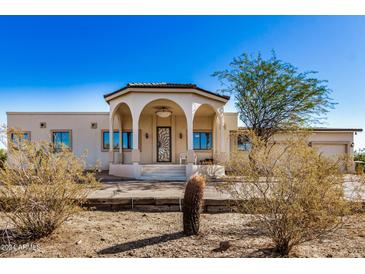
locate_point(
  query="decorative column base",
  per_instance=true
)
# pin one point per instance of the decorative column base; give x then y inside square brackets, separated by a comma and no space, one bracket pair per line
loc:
[190,170]
[111,156]
[136,156]
[220,157]
[119,157]
[136,170]
[191,157]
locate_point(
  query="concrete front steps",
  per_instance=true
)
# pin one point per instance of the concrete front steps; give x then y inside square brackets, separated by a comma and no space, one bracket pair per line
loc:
[163,172]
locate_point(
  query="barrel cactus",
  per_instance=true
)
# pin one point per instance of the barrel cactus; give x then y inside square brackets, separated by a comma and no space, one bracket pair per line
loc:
[193,200]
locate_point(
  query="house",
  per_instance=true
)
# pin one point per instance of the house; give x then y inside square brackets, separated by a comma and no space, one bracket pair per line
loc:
[159,131]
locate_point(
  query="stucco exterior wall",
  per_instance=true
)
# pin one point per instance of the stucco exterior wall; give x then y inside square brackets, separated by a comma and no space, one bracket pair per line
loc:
[330,144]
[230,124]
[84,138]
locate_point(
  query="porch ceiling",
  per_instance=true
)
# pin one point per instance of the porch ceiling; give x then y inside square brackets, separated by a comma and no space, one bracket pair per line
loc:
[151,108]
[204,110]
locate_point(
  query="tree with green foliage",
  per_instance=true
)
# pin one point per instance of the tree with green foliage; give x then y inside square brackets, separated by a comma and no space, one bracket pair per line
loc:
[272,95]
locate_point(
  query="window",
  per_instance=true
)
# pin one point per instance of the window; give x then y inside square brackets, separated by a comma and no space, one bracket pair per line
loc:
[18,137]
[61,138]
[126,140]
[106,139]
[202,140]
[243,143]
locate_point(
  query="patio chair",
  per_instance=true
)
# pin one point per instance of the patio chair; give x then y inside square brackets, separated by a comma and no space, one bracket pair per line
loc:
[184,157]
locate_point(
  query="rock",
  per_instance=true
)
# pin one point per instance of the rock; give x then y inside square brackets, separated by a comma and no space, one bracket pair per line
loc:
[78,242]
[102,239]
[223,246]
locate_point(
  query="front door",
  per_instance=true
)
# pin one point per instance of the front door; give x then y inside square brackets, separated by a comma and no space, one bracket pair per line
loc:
[163,144]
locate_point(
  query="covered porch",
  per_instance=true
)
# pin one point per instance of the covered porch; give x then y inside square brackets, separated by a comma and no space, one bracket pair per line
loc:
[162,136]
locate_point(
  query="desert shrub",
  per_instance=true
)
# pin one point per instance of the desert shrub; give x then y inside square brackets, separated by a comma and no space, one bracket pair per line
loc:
[2,158]
[294,193]
[359,157]
[41,188]
[193,199]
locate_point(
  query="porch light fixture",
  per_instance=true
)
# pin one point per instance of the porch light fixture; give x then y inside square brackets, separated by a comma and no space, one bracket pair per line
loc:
[146,135]
[163,112]
[180,135]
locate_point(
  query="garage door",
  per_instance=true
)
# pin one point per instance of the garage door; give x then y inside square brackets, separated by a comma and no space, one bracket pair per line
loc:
[331,149]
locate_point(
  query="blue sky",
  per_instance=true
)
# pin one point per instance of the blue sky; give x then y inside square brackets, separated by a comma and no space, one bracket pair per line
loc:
[46,61]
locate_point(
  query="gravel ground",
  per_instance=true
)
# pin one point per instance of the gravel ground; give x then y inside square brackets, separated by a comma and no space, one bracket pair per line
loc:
[138,234]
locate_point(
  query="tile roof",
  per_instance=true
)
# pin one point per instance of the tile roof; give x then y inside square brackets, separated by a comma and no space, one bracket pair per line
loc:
[165,85]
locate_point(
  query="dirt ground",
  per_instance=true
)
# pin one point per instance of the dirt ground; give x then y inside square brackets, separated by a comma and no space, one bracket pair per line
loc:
[138,234]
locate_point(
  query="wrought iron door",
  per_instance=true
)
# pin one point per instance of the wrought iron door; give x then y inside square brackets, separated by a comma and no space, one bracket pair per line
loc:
[163,144]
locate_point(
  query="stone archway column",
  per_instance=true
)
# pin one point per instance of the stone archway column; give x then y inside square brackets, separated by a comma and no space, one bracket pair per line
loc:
[120,154]
[136,154]
[190,167]
[111,145]
[190,152]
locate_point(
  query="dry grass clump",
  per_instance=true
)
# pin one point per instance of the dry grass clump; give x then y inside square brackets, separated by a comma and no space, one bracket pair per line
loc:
[298,193]
[41,188]
[193,200]
[2,158]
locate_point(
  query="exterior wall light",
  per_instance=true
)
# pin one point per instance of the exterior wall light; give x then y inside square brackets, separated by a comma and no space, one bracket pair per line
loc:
[180,135]
[146,135]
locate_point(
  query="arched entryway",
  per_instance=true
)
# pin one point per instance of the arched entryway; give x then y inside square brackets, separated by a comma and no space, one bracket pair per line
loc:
[205,133]
[122,137]
[162,132]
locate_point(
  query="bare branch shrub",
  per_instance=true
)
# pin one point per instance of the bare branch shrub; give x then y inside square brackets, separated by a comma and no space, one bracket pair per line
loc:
[41,188]
[295,194]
